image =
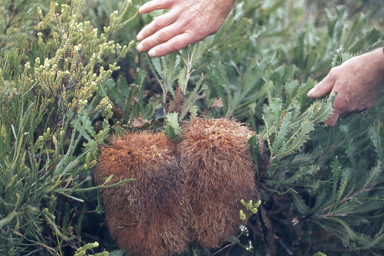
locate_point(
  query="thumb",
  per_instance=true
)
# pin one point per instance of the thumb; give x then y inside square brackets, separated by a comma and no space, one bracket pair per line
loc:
[322,88]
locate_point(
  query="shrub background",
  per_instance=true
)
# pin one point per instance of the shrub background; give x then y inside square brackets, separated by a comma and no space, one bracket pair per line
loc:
[65,87]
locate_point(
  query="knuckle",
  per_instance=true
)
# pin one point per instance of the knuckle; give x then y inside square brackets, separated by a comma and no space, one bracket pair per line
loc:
[333,74]
[198,34]
[159,22]
[158,4]
[163,35]
[177,45]
[340,105]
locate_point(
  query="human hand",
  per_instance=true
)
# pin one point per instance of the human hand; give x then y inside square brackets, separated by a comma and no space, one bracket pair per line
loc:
[188,21]
[358,82]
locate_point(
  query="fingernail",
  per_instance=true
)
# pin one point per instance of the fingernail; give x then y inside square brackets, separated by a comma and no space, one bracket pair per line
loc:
[152,53]
[140,9]
[140,48]
[309,94]
[139,37]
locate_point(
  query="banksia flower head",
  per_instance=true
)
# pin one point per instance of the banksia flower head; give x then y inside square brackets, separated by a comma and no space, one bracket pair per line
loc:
[144,215]
[217,172]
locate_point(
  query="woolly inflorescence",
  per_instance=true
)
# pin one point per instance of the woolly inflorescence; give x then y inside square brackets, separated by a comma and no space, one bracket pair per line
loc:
[144,215]
[217,172]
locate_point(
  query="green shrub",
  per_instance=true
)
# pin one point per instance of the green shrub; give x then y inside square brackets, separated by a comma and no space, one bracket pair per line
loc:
[52,80]
[59,102]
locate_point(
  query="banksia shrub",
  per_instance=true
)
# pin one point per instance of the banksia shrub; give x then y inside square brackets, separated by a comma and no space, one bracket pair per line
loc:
[144,215]
[217,172]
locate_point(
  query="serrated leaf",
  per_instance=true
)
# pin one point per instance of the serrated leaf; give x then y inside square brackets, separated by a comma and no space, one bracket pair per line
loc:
[322,111]
[336,170]
[347,206]
[297,140]
[132,94]
[310,60]
[113,93]
[368,206]
[351,234]
[283,131]
[301,159]
[182,78]
[345,177]
[87,125]
[217,74]
[157,65]
[373,242]
[171,65]
[123,86]
[172,119]
[169,131]
[375,133]
[373,175]
[303,171]
[311,186]
[290,89]
[348,145]
[139,77]
[300,204]
[193,110]
[276,107]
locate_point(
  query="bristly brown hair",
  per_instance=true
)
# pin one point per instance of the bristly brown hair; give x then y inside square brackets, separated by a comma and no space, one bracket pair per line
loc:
[144,215]
[217,172]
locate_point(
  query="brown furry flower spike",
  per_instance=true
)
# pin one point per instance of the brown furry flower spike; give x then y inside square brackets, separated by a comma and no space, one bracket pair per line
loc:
[144,215]
[217,173]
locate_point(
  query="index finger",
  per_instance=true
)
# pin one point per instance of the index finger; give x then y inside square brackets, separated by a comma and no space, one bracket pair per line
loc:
[324,87]
[155,5]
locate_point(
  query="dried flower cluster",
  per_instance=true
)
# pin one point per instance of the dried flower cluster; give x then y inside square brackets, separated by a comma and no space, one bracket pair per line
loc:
[217,174]
[182,194]
[145,215]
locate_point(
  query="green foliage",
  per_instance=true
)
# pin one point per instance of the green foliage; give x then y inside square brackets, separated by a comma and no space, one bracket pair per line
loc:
[59,102]
[250,206]
[48,140]
[82,250]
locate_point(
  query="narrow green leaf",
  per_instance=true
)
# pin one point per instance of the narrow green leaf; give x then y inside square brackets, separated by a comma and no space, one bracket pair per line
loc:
[322,111]
[157,65]
[371,205]
[352,235]
[172,119]
[310,60]
[348,144]
[347,206]
[375,133]
[283,131]
[355,32]
[298,139]
[140,77]
[113,93]
[132,94]
[290,89]
[345,177]
[336,170]
[276,107]
[303,171]
[123,87]
[300,204]
[373,175]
